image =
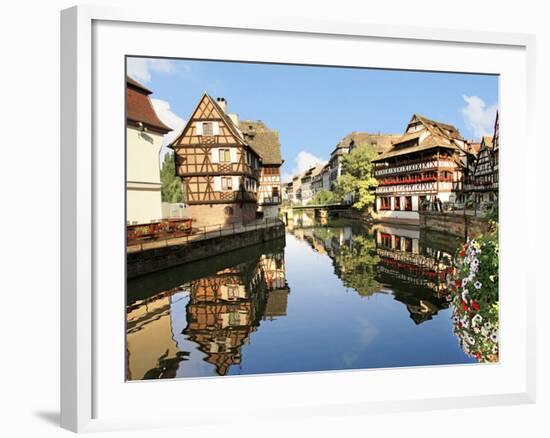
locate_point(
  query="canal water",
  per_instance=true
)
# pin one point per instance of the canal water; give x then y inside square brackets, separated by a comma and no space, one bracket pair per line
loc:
[330,296]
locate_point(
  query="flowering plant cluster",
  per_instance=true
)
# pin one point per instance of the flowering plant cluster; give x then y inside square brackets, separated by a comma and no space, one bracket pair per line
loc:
[474,297]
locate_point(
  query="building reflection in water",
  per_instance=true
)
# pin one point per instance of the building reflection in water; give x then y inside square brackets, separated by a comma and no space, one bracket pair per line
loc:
[222,311]
[402,260]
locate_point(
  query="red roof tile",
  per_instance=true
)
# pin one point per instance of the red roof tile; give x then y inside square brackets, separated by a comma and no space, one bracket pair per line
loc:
[139,107]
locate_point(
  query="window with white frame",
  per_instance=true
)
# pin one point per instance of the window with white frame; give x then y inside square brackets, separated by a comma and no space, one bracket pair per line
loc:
[227,183]
[224,155]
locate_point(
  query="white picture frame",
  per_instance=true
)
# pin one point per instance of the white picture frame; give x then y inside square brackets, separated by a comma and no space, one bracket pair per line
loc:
[90,389]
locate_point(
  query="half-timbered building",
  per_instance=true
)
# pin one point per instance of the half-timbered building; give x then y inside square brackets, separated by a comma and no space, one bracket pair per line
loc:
[266,143]
[422,170]
[479,185]
[144,136]
[307,180]
[494,156]
[219,170]
[288,192]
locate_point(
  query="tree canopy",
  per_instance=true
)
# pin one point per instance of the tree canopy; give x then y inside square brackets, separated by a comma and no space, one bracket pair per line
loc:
[356,178]
[171,183]
[323,197]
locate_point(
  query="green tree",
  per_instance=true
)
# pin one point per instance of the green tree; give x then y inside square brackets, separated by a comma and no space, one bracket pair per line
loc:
[323,197]
[171,183]
[357,177]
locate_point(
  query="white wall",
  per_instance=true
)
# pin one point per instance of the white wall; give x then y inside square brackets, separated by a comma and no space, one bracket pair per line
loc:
[30,390]
[142,156]
[143,187]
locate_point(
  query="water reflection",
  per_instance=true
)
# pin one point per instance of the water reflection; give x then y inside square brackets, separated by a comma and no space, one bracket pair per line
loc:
[353,291]
[222,310]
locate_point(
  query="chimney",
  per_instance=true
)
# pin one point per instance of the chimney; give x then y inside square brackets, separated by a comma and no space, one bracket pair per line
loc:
[222,103]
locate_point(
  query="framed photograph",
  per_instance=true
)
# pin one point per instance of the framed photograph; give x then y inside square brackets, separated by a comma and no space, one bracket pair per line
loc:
[310,218]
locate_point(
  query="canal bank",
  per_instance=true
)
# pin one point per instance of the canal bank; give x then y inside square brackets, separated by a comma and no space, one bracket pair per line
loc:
[457,224]
[157,256]
[331,295]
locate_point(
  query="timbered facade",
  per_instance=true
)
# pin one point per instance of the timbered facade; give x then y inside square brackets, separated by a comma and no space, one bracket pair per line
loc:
[308,183]
[266,143]
[496,142]
[422,170]
[482,180]
[219,170]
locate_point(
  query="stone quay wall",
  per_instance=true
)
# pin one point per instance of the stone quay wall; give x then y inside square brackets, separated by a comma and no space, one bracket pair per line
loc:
[155,259]
[455,224]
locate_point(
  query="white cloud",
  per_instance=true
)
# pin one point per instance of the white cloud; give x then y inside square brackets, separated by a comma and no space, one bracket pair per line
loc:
[141,68]
[170,119]
[304,160]
[479,117]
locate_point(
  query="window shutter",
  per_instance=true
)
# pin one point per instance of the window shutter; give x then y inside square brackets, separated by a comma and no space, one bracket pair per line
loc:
[235,183]
[215,155]
[198,128]
[233,154]
[216,128]
[217,183]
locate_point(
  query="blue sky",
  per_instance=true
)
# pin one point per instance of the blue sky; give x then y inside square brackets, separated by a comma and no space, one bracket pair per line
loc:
[314,107]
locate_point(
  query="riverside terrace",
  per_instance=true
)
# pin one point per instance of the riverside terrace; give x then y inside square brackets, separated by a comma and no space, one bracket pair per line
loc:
[152,255]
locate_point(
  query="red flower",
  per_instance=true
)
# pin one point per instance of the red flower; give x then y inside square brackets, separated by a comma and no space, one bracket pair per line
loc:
[477,355]
[461,253]
[458,283]
[475,305]
[464,306]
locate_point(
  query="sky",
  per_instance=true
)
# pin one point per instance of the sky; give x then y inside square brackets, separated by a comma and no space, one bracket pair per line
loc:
[313,107]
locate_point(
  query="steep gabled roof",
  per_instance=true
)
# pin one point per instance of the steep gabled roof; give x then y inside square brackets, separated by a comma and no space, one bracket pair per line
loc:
[380,142]
[431,135]
[219,113]
[139,107]
[263,140]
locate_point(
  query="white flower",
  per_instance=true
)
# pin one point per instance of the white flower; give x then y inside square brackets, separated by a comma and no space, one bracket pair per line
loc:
[484,331]
[495,349]
[477,319]
[471,340]
[475,262]
[494,337]
[464,281]
[492,278]
[477,285]
[465,322]
[465,295]
[476,330]
[487,325]
[455,319]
